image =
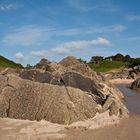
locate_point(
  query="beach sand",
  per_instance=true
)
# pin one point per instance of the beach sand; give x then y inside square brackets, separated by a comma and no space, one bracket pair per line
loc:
[121,81]
[128,129]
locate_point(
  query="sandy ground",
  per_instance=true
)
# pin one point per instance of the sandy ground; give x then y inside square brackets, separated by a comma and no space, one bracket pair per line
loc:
[121,81]
[129,129]
[12,129]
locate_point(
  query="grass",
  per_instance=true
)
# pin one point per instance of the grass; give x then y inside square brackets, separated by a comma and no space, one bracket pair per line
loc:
[4,62]
[107,65]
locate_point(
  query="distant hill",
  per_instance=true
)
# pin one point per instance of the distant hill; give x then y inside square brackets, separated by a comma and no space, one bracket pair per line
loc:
[4,62]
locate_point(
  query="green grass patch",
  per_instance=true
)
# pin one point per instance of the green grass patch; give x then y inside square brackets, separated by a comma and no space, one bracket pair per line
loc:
[8,63]
[107,65]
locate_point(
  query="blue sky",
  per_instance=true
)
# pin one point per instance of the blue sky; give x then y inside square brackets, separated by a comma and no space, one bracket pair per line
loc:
[34,29]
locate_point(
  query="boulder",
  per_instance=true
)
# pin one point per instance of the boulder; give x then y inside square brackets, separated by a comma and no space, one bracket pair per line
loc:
[63,92]
[136,84]
[37,76]
[72,64]
[76,80]
[71,72]
[67,79]
[24,99]
[115,107]
[46,65]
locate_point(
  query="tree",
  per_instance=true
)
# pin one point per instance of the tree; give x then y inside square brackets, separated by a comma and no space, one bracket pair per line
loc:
[136,62]
[119,57]
[127,58]
[96,59]
[81,60]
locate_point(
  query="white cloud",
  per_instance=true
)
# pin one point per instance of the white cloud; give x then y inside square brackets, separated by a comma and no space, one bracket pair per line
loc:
[133,17]
[66,48]
[41,53]
[19,56]
[118,28]
[87,6]
[8,7]
[91,30]
[33,35]
[109,29]
[25,36]
[60,50]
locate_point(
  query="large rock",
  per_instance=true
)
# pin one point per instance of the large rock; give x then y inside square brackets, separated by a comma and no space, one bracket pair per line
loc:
[136,84]
[23,99]
[45,65]
[71,72]
[68,79]
[135,72]
[38,76]
[72,64]
[120,74]
[62,92]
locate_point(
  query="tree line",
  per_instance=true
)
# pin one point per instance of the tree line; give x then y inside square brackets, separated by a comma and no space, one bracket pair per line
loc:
[130,61]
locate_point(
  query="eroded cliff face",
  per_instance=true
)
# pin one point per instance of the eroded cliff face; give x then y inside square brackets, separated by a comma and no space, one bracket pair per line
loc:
[63,93]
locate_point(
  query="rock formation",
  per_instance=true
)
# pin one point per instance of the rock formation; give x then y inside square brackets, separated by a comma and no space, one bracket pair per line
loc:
[136,84]
[63,92]
[127,73]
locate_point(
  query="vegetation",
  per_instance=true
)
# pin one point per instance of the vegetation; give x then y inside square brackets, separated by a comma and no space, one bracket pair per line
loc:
[118,61]
[96,59]
[107,65]
[136,62]
[4,62]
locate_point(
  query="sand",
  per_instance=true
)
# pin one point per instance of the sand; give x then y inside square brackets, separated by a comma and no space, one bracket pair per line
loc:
[14,129]
[127,130]
[121,81]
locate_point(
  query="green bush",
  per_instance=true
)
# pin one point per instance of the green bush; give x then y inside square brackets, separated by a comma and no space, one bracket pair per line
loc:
[135,62]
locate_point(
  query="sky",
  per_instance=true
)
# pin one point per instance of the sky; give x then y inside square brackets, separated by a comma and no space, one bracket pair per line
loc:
[53,29]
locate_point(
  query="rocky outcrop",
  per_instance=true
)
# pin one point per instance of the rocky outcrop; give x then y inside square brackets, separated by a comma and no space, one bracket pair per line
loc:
[134,73]
[38,76]
[136,84]
[121,74]
[68,79]
[5,71]
[63,92]
[72,64]
[25,99]
[68,64]
[131,73]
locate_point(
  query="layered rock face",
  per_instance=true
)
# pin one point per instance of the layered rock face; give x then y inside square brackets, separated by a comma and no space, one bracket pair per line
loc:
[136,84]
[62,92]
